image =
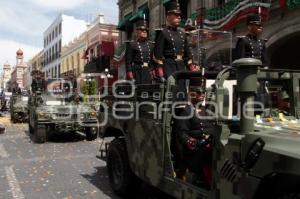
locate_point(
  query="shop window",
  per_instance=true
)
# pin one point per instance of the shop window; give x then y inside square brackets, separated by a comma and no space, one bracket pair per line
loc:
[105,61]
[128,27]
[59,47]
[59,28]
[185,8]
[128,34]
[98,50]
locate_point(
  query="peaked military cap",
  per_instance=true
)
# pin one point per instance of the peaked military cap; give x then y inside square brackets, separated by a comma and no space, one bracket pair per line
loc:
[173,7]
[196,84]
[141,24]
[195,81]
[254,19]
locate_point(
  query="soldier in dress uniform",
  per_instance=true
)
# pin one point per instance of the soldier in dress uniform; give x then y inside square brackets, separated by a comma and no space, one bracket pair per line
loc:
[250,46]
[192,136]
[171,51]
[138,55]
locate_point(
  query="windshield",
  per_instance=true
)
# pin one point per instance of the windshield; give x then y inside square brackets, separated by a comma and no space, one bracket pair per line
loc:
[54,100]
[25,99]
[211,49]
[278,96]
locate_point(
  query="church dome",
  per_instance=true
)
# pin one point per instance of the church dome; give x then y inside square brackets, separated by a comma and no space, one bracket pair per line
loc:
[20,52]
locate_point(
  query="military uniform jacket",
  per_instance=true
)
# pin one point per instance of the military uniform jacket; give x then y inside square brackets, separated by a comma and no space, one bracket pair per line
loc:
[192,126]
[171,43]
[138,60]
[37,84]
[250,46]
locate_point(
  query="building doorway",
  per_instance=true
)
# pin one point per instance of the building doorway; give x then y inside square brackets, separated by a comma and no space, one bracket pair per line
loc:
[284,52]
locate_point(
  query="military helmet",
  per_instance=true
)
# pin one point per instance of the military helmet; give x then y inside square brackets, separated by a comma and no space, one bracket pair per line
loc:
[196,84]
[254,19]
[172,7]
[141,24]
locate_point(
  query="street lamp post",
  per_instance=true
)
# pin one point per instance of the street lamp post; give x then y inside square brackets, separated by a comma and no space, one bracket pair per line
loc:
[90,86]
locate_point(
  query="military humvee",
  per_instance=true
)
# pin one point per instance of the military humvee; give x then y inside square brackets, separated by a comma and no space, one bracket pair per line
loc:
[5,101]
[255,152]
[18,108]
[53,111]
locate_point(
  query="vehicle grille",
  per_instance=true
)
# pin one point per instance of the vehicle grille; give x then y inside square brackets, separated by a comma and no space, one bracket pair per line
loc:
[59,116]
[228,171]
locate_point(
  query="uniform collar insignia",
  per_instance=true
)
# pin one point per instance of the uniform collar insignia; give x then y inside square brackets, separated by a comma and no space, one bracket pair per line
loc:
[252,36]
[172,28]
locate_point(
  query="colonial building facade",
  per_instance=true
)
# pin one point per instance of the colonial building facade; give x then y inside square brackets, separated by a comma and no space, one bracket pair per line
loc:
[102,39]
[63,30]
[72,61]
[37,62]
[18,71]
[6,75]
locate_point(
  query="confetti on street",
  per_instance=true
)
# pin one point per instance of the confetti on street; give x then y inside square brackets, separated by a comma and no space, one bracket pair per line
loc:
[65,167]
[50,170]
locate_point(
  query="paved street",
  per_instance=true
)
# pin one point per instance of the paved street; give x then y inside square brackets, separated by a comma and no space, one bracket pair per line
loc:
[66,167]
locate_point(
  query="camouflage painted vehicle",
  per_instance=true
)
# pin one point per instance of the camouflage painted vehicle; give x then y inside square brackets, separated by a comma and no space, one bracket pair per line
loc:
[253,157]
[18,108]
[5,101]
[52,112]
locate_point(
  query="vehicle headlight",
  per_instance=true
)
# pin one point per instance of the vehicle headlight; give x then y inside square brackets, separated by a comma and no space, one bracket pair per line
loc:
[53,116]
[82,116]
[93,114]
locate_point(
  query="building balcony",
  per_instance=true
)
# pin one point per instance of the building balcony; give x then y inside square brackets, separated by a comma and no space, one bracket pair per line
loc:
[97,64]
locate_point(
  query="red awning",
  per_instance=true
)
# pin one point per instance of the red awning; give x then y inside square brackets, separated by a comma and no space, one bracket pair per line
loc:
[107,48]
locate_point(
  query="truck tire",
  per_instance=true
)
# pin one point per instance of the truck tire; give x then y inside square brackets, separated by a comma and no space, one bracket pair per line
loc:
[121,178]
[30,129]
[40,134]
[12,119]
[91,133]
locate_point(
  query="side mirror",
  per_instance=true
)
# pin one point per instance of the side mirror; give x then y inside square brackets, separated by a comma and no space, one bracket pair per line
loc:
[253,154]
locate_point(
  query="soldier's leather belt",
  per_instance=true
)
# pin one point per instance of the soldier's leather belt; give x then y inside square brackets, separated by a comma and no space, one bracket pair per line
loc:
[143,65]
[175,57]
[179,57]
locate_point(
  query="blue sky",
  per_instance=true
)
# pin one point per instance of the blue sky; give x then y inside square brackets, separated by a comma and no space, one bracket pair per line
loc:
[22,22]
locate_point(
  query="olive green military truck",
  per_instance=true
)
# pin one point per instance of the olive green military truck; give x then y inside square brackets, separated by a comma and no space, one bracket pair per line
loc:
[54,111]
[18,108]
[255,151]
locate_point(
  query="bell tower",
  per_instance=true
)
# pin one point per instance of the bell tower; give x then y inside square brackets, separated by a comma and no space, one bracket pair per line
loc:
[6,74]
[19,57]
